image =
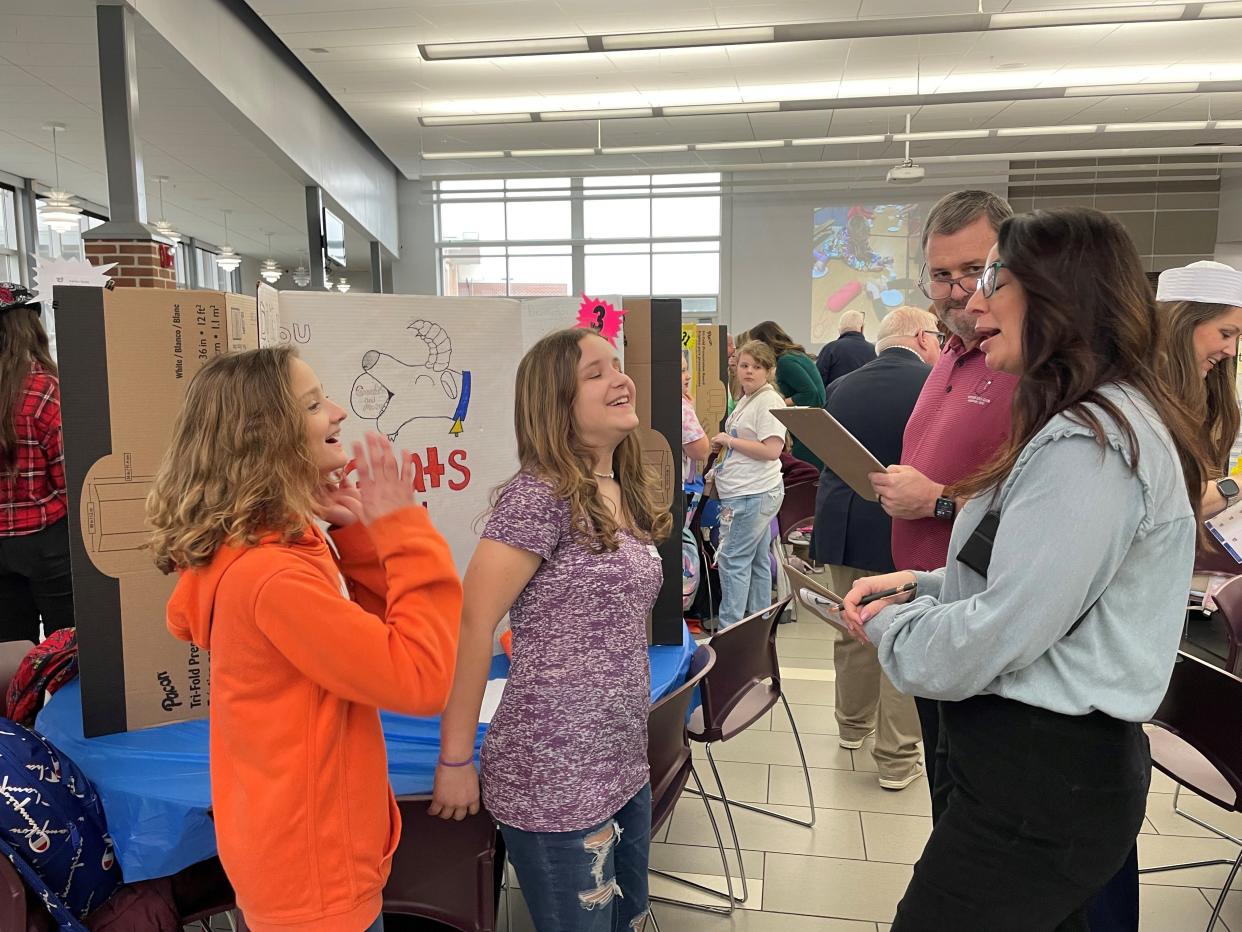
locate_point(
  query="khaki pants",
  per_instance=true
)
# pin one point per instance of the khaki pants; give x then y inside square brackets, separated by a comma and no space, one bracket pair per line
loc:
[867,701]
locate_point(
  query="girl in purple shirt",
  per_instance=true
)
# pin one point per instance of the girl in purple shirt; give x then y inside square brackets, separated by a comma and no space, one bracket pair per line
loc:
[569,553]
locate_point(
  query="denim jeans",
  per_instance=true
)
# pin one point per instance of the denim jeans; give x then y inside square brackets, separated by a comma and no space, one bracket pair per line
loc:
[744,558]
[593,880]
[377,925]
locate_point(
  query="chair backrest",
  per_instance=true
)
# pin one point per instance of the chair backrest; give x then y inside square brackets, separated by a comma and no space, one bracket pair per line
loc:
[1210,558]
[745,656]
[427,878]
[12,653]
[1229,600]
[20,911]
[1203,707]
[668,748]
[798,507]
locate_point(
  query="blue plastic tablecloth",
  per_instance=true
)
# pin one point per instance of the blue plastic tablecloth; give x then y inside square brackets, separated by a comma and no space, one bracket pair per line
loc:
[155,783]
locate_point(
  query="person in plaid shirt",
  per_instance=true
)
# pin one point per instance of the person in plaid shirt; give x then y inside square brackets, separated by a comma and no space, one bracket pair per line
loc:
[34,535]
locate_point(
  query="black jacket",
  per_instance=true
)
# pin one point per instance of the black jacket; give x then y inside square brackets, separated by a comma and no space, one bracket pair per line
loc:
[873,403]
[843,355]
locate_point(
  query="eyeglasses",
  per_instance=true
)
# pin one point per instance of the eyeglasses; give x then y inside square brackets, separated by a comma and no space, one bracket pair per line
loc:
[987,280]
[941,338]
[937,289]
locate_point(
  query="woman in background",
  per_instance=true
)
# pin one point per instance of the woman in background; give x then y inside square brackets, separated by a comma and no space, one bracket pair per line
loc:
[797,378]
[694,445]
[35,581]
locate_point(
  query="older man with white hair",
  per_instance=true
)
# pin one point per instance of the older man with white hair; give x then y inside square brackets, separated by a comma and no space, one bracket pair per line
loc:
[853,536]
[846,353]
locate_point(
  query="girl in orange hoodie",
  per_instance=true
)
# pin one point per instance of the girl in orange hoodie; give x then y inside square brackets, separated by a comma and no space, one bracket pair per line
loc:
[306,822]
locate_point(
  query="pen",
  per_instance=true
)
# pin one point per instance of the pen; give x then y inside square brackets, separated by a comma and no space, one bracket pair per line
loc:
[887,593]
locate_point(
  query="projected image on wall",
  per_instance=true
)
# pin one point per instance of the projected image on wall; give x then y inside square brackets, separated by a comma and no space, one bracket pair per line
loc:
[864,257]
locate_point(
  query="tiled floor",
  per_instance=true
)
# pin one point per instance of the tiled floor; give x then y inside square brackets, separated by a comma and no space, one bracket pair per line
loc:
[848,872]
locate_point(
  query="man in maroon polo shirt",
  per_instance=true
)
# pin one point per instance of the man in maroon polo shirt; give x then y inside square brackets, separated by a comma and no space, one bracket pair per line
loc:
[962,415]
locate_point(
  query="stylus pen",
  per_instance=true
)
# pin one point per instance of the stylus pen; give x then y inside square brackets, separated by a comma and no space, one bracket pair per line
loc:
[887,593]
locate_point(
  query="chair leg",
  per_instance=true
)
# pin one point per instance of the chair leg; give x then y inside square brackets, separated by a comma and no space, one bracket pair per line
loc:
[724,798]
[724,861]
[1177,792]
[1186,865]
[655,923]
[1224,893]
[806,773]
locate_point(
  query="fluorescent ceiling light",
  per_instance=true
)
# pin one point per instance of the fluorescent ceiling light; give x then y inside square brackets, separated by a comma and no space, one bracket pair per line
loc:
[499,154]
[531,153]
[638,150]
[1048,130]
[743,144]
[1114,90]
[472,119]
[839,140]
[1169,127]
[447,51]
[1228,124]
[1113,14]
[1220,10]
[689,38]
[943,134]
[553,116]
[710,109]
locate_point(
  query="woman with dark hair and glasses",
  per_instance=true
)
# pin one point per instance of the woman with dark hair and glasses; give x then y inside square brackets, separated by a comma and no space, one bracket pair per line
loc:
[1050,635]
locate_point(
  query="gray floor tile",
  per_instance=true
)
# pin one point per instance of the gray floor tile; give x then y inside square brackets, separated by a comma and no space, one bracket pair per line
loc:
[860,890]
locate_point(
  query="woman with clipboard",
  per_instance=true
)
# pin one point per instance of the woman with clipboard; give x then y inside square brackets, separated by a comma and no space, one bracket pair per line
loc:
[1050,635]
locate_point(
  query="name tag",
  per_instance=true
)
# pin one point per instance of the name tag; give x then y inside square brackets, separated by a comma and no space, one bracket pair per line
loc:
[651,549]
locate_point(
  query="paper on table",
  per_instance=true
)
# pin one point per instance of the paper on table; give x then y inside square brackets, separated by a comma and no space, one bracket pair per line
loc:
[1226,527]
[836,446]
[491,700]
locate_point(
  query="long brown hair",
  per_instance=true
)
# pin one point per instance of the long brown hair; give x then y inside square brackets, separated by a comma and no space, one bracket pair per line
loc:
[549,446]
[773,334]
[1090,320]
[238,467]
[23,342]
[1214,399]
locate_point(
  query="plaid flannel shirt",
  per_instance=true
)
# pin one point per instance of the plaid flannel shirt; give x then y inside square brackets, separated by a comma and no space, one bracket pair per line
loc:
[32,495]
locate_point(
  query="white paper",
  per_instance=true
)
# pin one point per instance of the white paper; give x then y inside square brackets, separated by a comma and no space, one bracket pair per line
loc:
[491,700]
[1226,527]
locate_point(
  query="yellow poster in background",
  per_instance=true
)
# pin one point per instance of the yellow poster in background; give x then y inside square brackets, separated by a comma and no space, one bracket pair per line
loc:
[689,338]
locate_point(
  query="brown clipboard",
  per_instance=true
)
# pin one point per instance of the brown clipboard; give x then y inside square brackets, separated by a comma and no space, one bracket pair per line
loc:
[836,446]
[799,580]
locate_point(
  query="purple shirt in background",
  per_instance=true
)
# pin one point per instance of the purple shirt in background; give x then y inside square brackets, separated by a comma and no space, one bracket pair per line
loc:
[567,748]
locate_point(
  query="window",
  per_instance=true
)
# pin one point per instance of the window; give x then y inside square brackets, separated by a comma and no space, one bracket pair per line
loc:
[641,235]
[10,260]
[53,245]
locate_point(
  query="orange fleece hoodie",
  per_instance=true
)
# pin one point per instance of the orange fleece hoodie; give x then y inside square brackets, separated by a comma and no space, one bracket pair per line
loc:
[306,821]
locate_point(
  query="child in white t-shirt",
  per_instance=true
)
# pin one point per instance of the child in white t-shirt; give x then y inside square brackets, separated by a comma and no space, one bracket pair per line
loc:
[748,482]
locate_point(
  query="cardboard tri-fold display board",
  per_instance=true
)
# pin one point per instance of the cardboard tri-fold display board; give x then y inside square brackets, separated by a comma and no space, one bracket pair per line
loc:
[125,358]
[435,374]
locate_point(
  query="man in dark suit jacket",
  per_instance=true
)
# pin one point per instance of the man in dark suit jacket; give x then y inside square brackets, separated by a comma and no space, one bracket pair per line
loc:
[853,536]
[846,353]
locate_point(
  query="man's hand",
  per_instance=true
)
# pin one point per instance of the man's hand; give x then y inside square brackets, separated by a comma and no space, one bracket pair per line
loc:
[906,493]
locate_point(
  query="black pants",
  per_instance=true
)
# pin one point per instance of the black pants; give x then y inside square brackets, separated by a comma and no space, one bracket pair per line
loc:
[1042,809]
[934,752]
[34,582]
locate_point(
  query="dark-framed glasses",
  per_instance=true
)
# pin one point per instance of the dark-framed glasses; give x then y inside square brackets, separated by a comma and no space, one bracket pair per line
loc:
[987,280]
[938,289]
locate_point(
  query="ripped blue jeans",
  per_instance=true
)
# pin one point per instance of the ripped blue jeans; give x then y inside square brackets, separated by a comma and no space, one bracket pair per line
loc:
[744,558]
[593,880]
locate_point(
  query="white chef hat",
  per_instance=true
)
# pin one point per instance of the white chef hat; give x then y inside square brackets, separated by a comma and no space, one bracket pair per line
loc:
[1205,282]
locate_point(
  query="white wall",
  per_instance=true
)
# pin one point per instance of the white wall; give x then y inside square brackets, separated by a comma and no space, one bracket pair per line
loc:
[1229,223]
[415,271]
[767,248]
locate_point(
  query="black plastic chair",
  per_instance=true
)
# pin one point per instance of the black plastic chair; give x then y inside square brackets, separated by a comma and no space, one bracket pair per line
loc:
[1197,742]
[672,767]
[743,686]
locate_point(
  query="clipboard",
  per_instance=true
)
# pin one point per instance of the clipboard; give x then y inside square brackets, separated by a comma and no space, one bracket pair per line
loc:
[836,446]
[799,580]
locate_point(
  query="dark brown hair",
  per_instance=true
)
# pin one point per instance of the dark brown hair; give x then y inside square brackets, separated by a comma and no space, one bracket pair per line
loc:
[23,342]
[1090,320]
[773,334]
[1214,398]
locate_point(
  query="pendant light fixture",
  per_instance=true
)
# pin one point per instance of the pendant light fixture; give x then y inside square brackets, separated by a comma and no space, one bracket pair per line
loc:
[228,260]
[343,285]
[162,226]
[270,271]
[301,275]
[57,211]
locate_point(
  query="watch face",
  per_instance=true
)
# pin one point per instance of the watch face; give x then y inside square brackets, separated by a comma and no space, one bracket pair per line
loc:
[945,507]
[1227,487]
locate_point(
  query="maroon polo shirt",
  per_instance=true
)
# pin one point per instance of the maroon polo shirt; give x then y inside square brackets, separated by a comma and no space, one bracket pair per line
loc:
[960,420]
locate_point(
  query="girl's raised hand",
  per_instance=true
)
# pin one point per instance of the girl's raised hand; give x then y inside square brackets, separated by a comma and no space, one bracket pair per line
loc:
[384,484]
[340,505]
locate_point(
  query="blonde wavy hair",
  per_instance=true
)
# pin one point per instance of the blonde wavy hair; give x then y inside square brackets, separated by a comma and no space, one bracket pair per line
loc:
[238,466]
[549,446]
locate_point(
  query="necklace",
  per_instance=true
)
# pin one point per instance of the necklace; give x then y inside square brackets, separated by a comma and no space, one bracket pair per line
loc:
[602,475]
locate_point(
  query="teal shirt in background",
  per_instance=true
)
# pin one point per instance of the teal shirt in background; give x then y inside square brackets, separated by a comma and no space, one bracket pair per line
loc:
[799,380]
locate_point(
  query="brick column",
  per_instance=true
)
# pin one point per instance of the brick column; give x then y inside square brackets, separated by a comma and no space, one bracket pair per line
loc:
[138,264]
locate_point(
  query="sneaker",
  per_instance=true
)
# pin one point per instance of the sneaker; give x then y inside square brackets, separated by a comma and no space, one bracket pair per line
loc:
[900,784]
[854,745]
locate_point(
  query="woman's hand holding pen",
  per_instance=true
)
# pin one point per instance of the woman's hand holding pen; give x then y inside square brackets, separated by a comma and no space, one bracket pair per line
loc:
[856,615]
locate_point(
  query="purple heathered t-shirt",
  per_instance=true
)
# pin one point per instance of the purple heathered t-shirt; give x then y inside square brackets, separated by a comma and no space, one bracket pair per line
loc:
[567,748]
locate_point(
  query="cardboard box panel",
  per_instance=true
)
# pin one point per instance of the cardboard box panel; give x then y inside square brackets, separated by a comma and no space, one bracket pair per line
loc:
[710,365]
[126,357]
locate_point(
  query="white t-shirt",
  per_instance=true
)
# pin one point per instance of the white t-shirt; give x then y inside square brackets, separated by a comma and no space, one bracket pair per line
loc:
[752,419]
